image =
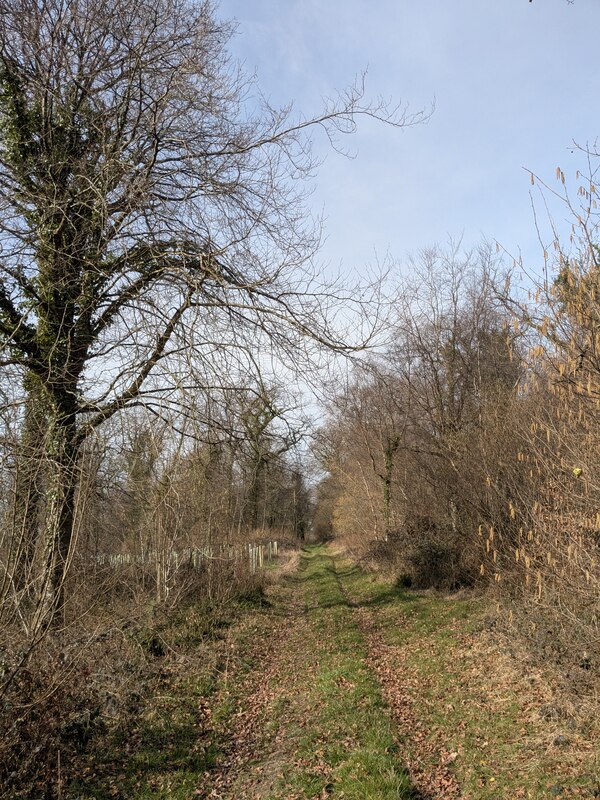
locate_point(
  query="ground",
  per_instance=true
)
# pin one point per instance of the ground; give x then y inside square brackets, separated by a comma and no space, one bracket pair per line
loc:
[338,684]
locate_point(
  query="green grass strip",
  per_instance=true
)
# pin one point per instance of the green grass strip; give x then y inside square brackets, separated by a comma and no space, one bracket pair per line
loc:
[347,749]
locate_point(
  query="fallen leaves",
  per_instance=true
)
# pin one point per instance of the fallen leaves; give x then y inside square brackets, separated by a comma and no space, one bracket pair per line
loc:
[460,729]
[429,761]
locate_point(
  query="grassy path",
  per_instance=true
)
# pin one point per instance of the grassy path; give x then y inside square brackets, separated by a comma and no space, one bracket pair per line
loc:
[306,710]
[342,685]
[360,689]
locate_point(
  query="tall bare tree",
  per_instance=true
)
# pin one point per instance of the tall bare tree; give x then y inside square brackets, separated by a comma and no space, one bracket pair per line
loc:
[146,207]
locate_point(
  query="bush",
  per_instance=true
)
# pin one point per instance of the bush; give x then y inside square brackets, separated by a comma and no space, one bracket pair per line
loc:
[438,564]
[48,713]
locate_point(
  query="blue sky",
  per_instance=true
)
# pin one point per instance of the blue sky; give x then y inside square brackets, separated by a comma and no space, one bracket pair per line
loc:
[514,84]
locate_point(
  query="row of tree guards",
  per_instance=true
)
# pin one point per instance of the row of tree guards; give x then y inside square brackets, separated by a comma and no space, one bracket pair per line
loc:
[197,557]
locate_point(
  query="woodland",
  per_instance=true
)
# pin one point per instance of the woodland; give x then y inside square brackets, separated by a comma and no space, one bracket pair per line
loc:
[165,328]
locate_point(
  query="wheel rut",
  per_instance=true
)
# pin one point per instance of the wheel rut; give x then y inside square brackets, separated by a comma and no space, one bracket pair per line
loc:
[311,706]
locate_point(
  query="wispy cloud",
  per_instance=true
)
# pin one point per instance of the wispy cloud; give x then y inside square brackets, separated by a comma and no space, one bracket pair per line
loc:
[514,82]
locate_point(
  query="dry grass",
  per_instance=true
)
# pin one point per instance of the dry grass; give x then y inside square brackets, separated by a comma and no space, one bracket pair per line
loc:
[99,671]
[287,563]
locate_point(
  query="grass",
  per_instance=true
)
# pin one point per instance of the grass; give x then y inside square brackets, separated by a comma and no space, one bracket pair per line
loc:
[162,749]
[481,702]
[164,755]
[284,702]
[347,746]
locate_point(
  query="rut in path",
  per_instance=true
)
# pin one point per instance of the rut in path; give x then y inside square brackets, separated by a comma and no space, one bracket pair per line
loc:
[310,708]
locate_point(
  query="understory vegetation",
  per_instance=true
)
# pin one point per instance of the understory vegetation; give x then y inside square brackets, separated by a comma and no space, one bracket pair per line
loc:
[170,548]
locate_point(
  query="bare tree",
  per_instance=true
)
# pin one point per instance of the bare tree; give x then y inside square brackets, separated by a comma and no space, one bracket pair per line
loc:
[146,207]
[421,439]
[371,419]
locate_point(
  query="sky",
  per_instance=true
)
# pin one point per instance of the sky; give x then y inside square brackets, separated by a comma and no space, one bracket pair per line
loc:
[514,83]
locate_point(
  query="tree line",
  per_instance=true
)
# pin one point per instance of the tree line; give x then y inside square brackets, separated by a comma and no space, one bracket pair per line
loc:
[463,454]
[156,253]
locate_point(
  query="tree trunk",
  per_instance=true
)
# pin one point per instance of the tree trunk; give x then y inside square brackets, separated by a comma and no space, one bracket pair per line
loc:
[61,452]
[254,492]
[388,469]
[28,500]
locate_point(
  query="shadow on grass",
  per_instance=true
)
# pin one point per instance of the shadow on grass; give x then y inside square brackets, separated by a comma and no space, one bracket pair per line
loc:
[158,759]
[311,571]
[393,594]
